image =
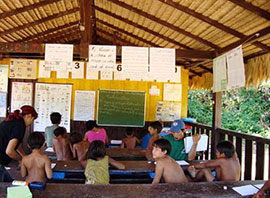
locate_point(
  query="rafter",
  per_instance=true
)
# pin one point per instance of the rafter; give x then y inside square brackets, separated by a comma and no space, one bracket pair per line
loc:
[127,33]
[207,20]
[58,34]
[62,37]
[165,23]
[254,9]
[38,21]
[26,8]
[141,27]
[49,31]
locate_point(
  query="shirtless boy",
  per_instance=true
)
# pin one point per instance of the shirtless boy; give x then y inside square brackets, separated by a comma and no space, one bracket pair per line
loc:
[129,141]
[166,167]
[226,165]
[36,166]
[61,144]
[78,147]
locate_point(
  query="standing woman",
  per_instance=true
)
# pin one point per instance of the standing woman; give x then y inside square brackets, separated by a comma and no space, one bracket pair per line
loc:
[12,131]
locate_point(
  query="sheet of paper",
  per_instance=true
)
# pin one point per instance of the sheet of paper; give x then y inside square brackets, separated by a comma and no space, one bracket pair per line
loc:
[182,162]
[236,68]
[259,186]
[59,52]
[4,78]
[49,149]
[135,62]
[219,74]
[246,190]
[176,77]
[202,144]
[52,98]
[77,70]
[159,59]
[19,191]
[53,165]
[3,104]
[116,141]
[91,73]
[23,69]
[118,73]
[168,111]
[172,92]
[84,105]
[154,91]
[106,75]
[21,94]
[102,57]
[43,70]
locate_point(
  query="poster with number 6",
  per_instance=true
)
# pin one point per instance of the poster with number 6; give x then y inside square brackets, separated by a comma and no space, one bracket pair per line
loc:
[77,70]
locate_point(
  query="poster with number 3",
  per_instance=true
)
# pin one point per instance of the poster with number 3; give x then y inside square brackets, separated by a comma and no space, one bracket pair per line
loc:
[77,70]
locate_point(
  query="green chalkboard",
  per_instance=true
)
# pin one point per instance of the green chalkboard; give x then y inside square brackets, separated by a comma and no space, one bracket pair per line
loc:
[121,108]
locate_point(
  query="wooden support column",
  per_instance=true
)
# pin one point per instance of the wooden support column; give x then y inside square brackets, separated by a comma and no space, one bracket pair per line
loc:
[85,27]
[216,121]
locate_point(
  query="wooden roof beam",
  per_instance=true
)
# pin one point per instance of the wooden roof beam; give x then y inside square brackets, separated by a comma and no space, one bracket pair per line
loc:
[165,23]
[254,9]
[62,37]
[38,22]
[27,8]
[94,24]
[41,34]
[127,33]
[58,34]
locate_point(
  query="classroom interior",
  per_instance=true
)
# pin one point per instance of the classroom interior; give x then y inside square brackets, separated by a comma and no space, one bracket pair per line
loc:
[192,35]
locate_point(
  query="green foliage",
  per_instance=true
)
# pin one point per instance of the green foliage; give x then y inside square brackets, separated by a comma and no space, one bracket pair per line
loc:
[245,110]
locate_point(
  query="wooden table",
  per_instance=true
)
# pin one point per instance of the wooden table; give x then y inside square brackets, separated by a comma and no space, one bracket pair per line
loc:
[126,154]
[187,190]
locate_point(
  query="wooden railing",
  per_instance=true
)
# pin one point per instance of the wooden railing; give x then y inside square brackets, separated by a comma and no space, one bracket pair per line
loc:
[248,148]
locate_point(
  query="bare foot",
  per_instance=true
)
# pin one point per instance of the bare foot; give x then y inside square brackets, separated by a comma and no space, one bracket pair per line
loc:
[192,171]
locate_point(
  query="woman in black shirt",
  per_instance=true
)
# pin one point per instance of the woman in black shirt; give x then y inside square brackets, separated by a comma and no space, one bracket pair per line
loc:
[12,131]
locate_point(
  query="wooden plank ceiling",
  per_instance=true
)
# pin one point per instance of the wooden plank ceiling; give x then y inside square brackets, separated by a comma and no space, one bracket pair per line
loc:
[199,29]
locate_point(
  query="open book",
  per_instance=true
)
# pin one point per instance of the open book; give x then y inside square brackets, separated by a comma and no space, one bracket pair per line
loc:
[202,144]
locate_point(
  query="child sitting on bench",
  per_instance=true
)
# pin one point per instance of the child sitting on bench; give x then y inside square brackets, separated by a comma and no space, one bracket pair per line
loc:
[36,166]
[130,140]
[61,144]
[78,147]
[226,166]
[97,165]
[166,167]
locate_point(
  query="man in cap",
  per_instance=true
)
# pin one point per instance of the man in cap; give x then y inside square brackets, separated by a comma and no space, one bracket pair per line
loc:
[176,138]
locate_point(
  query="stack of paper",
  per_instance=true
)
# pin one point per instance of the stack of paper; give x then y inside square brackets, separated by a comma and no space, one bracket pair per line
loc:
[116,141]
[19,191]
[202,144]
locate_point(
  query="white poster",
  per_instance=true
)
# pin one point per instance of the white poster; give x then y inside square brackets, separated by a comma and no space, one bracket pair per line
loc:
[52,98]
[161,58]
[168,111]
[59,52]
[3,104]
[236,68]
[44,71]
[102,57]
[84,105]
[3,78]
[176,77]
[77,70]
[172,92]
[23,69]
[21,94]
[91,73]
[118,73]
[135,62]
[219,74]
[106,75]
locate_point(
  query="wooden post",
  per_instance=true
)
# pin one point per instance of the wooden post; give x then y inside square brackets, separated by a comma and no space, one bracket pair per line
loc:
[216,122]
[85,27]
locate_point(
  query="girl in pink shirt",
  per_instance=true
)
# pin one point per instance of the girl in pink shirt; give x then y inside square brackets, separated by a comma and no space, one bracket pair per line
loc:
[95,133]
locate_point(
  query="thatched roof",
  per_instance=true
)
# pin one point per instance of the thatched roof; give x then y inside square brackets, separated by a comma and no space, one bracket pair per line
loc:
[199,29]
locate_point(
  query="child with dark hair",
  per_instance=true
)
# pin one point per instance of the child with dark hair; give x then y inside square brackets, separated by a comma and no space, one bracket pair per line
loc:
[166,167]
[226,166]
[129,141]
[97,165]
[154,129]
[78,147]
[94,132]
[36,166]
[49,135]
[61,144]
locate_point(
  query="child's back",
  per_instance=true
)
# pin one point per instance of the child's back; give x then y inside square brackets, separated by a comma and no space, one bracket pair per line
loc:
[80,150]
[129,142]
[36,166]
[49,135]
[61,144]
